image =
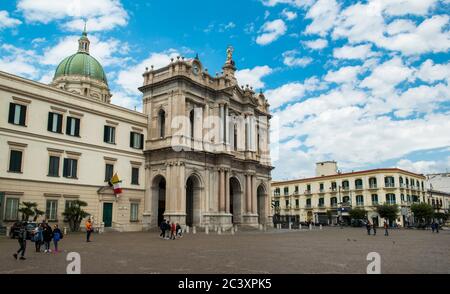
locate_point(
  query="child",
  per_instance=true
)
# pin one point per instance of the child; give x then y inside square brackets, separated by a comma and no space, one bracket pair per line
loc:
[57,235]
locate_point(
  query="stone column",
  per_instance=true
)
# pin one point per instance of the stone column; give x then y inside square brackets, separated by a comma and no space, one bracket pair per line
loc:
[254,196]
[222,113]
[248,206]
[227,126]
[147,215]
[227,191]
[222,191]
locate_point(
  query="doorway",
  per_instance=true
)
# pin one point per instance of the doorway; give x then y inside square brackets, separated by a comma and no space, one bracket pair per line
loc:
[107,214]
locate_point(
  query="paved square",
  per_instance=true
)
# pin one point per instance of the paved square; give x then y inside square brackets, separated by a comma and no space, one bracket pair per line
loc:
[331,250]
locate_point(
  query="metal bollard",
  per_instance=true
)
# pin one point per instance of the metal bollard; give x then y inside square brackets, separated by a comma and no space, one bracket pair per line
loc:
[300,226]
[320,227]
[65,231]
[194,230]
[310,227]
[8,231]
[207,230]
[219,231]
[290,226]
[187,229]
[232,230]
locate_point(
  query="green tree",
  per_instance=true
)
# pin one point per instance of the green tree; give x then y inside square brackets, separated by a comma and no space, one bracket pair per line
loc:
[388,211]
[423,212]
[28,210]
[357,213]
[75,214]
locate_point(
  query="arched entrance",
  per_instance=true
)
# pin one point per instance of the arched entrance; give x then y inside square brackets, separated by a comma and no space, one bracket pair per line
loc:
[159,194]
[235,201]
[261,198]
[193,189]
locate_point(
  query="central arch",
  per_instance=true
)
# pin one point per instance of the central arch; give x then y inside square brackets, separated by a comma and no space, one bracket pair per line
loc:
[159,196]
[193,196]
[235,201]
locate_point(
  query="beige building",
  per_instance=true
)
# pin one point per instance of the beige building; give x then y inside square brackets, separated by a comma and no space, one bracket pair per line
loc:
[331,194]
[198,154]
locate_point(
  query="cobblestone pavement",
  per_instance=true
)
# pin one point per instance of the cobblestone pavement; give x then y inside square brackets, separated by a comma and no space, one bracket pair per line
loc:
[331,250]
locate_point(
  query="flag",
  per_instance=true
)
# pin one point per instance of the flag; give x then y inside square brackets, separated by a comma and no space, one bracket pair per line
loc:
[115,181]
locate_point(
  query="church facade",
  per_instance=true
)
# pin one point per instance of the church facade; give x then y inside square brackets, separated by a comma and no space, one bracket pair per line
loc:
[197,154]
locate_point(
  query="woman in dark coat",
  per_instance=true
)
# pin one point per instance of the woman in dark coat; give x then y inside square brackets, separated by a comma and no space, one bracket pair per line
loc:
[48,235]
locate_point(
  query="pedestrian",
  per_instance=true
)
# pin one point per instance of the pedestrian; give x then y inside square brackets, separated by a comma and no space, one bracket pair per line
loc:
[386,226]
[167,235]
[89,230]
[47,235]
[374,229]
[173,229]
[433,226]
[38,238]
[436,227]
[368,227]
[179,231]
[22,241]
[57,236]
[162,227]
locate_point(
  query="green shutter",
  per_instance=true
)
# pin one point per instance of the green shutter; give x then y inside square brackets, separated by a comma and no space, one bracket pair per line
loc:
[77,127]
[50,121]
[12,107]
[68,125]
[23,111]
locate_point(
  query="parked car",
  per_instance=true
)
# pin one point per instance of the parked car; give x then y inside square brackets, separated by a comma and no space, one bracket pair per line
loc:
[358,223]
[15,229]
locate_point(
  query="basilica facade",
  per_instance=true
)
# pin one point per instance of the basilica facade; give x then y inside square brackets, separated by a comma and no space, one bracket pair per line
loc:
[197,154]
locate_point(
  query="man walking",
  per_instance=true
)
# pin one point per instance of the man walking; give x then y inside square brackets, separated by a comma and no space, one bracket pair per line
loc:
[374,229]
[22,241]
[162,227]
[368,227]
[88,230]
[386,226]
[436,227]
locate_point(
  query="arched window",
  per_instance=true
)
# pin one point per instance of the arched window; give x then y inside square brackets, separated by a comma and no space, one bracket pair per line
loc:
[358,184]
[359,200]
[333,201]
[162,123]
[389,182]
[346,200]
[345,185]
[373,183]
[191,121]
[407,182]
[390,198]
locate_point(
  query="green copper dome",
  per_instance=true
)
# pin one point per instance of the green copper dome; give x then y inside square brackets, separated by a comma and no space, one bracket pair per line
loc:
[81,64]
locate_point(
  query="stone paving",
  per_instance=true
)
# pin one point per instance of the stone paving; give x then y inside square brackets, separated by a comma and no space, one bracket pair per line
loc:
[331,250]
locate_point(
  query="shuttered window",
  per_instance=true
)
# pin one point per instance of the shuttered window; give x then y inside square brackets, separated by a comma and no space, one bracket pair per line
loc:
[109,135]
[134,212]
[53,168]
[135,176]
[51,210]
[17,114]
[70,168]
[73,126]
[12,209]
[15,161]
[54,122]
[136,140]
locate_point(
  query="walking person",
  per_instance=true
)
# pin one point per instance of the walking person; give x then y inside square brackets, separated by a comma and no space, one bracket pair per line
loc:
[167,235]
[386,226]
[374,229]
[47,235]
[179,231]
[173,229]
[38,238]
[22,242]
[368,227]
[436,227]
[89,230]
[57,236]
[433,226]
[162,227]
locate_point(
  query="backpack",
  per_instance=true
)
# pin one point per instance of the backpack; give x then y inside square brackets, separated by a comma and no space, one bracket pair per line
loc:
[56,236]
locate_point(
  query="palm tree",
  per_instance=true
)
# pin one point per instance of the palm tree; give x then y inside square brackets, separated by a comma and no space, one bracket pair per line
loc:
[29,209]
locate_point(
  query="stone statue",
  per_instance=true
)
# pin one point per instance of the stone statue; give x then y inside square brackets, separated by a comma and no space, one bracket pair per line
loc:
[230,54]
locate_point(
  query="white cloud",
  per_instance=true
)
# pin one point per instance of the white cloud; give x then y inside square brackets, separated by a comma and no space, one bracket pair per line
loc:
[100,14]
[289,15]
[400,26]
[130,79]
[424,166]
[430,72]
[353,52]
[271,31]
[18,61]
[296,3]
[122,99]
[290,59]
[6,21]
[105,51]
[402,7]
[347,74]
[253,77]
[316,44]
[291,92]
[323,14]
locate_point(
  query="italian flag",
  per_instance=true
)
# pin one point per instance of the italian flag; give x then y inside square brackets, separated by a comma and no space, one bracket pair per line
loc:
[115,181]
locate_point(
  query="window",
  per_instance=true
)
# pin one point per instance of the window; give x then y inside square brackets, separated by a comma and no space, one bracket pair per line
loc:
[134,212]
[136,140]
[359,200]
[287,203]
[408,198]
[308,189]
[296,189]
[321,187]
[70,168]
[17,114]
[390,198]
[401,181]
[135,176]
[417,184]
[162,123]
[53,167]
[297,203]
[374,199]
[402,197]
[389,182]
[277,192]
[333,186]
[73,126]
[109,170]
[407,182]
[415,199]
[192,123]
[358,184]
[321,202]
[333,201]
[15,161]
[12,209]
[54,122]
[109,135]
[346,200]
[51,210]
[308,202]
[345,185]
[373,182]
[286,191]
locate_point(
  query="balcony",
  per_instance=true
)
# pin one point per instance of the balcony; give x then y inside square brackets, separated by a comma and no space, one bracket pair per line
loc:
[359,187]
[308,206]
[389,185]
[321,205]
[333,189]
[345,188]
[296,192]
[374,203]
[373,186]
[334,205]
[321,191]
[307,192]
[276,194]
[359,204]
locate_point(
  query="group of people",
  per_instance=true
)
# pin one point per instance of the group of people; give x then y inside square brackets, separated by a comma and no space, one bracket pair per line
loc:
[371,227]
[170,230]
[435,227]
[43,234]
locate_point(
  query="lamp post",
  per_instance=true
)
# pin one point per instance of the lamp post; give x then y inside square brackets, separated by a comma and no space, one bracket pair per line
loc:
[339,207]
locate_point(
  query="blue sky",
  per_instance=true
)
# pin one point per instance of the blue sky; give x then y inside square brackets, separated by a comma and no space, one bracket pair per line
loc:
[365,83]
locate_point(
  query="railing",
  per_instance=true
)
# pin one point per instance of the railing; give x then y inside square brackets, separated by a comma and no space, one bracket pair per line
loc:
[308,206]
[307,192]
[321,205]
[389,185]
[333,189]
[359,187]
[359,203]
[322,191]
[333,204]
[373,186]
[345,188]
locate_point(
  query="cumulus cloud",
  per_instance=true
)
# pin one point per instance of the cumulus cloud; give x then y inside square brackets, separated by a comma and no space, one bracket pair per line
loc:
[316,44]
[323,14]
[430,72]
[424,166]
[353,52]
[291,59]
[100,14]
[253,77]
[346,74]
[289,15]
[271,31]
[18,61]
[6,21]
